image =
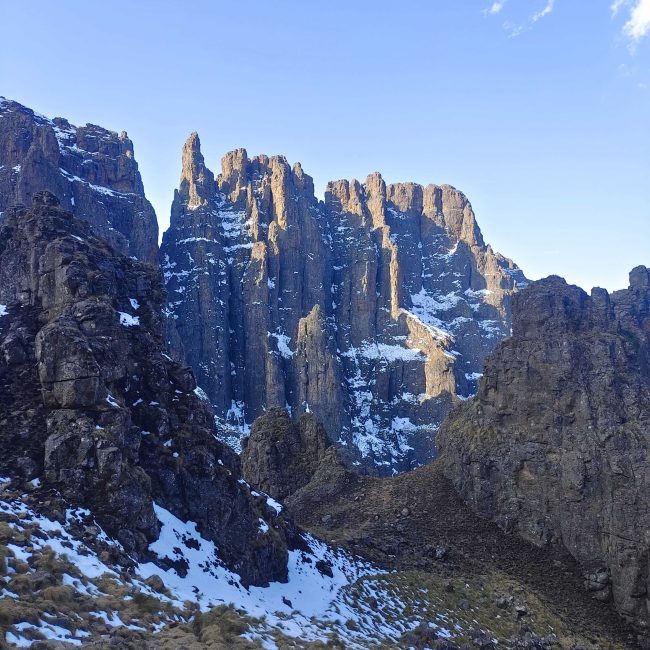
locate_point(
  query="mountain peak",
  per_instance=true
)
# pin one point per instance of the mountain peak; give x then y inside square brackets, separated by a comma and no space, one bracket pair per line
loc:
[90,169]
[283,301]
[197,184]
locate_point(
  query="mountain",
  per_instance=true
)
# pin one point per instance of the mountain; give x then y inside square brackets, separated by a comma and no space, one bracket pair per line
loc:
[555,444]
[91,404]
[91,170]
[331,340]
[125,523]
[373,309]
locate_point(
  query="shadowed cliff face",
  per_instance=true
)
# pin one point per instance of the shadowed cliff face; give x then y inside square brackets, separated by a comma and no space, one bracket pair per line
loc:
[282,456]
[90,402]
[373,310]
[90,169]
[556,444]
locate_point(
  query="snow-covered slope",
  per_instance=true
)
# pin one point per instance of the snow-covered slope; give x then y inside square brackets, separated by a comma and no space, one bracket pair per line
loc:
[87,594]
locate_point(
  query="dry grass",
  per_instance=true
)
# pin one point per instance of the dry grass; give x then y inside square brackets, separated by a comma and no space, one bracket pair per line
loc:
[60,594]
[222,627]
[486,598]
[493,603]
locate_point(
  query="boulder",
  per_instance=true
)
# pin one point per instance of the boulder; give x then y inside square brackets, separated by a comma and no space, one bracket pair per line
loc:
[281,456]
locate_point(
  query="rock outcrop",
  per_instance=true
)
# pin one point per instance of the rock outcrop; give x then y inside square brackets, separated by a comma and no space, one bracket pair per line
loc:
[282,456]
[91,404]
[374,309]
[556,444]
[91,170]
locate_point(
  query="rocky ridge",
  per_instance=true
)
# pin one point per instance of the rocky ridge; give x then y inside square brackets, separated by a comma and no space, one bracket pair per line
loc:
[555,444]
[417,525]
[374,309]
[91,170]
[92,406]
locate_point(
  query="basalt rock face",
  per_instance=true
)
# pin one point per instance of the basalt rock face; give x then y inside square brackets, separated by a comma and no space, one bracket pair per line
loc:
[556,444]
[91,404]
[374,309]
[91,170]
[282,456]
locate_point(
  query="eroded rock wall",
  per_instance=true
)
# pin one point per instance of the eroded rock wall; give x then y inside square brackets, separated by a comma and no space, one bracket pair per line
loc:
[556,444]
[373,309]
[92,405]
[91,170]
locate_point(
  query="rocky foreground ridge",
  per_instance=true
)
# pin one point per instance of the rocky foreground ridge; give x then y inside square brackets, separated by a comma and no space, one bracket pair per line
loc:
[92,406]
[555,445]
[373,310]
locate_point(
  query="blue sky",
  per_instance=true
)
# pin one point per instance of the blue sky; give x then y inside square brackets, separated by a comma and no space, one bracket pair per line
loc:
[538,110]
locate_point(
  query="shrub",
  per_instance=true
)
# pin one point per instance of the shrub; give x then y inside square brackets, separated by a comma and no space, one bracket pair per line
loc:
[59,594]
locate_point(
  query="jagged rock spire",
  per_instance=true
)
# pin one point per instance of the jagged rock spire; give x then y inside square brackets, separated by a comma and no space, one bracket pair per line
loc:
[282,300]
[233,173]
[197,184]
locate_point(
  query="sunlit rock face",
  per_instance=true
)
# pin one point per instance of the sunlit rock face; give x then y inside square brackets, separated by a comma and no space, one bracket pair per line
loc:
[373,309]
[91,170]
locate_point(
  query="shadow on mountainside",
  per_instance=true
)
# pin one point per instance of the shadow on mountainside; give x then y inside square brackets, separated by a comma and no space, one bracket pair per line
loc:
[417,521]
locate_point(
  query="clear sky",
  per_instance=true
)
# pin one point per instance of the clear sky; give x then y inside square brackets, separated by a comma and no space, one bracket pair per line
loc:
[539,110]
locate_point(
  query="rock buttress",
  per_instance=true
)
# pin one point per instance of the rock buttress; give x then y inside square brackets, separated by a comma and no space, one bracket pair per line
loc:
[117,425]
[555,445]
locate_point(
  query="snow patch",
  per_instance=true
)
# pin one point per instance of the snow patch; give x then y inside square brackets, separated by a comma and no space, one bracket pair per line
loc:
[282,341]
[112,401]
[61,542]
[126,320]
[97,188]
[385,352]
[201,394]
[308,592]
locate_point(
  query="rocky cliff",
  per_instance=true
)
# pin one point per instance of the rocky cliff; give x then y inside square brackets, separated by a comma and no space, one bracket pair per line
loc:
[555,445]
[91,170]
[91,405]
[373,309]
[282,456]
